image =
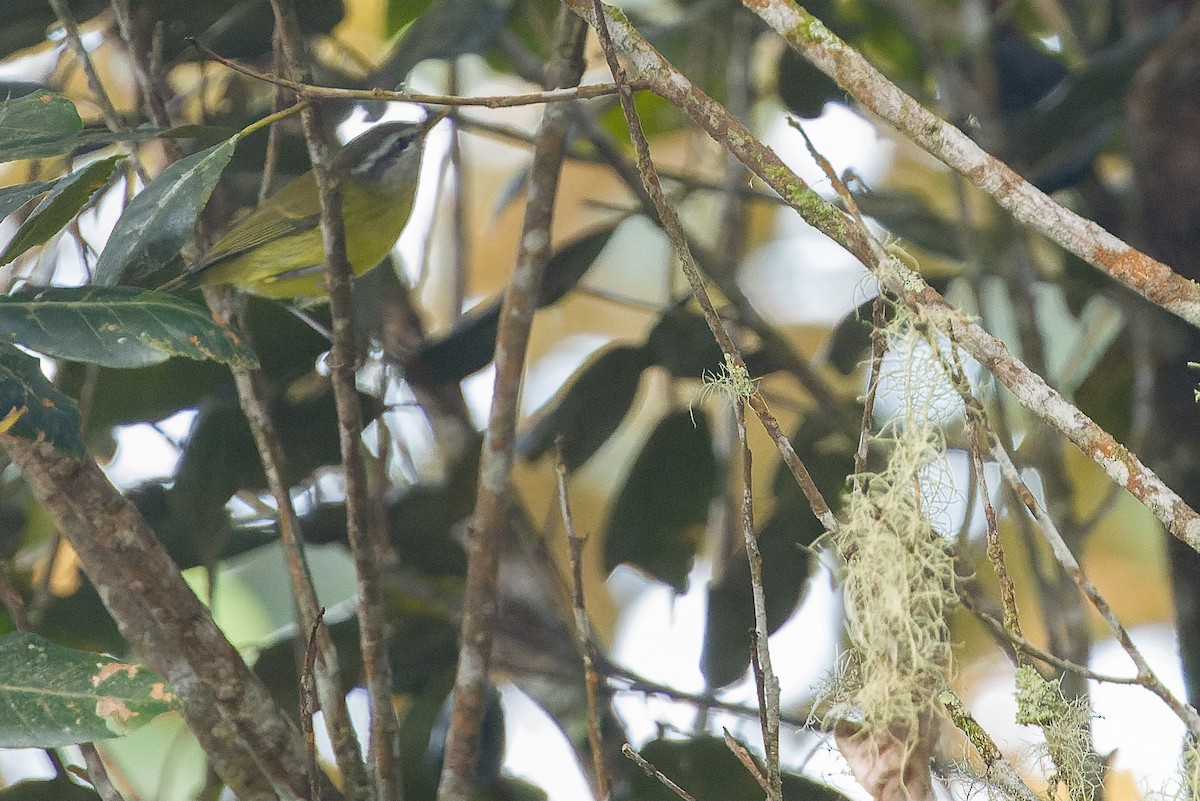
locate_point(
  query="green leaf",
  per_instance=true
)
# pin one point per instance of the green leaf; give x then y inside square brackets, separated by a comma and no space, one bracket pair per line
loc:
[471,345]
[569,263]
[706,768]
[590,408]
[119,327]
[59,789]
[730,615]
[40,124]
[56,209]
[14,197]
[53,696]
[803,88]
[49,414]
[657,519]
[160,219]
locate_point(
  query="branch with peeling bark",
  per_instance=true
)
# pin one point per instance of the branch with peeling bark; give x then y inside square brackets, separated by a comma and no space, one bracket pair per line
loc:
[648,65]
[1027,204]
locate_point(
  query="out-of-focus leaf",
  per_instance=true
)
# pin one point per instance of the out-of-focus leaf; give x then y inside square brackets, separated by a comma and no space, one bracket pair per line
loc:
[657,518]
[119,327]
[160,218]
[54,696]
[37,125]
[908,216]
[491,739]
[467,349]
[472,344]
[588,410]
[442,29]
[1089,97]
[14,197]
[57,208]
[850,341]
[569,263]
[827,451]
[48,413]
[803,88]
[658,117]
[708,771]
[730,618]
[60,789]
[144,394]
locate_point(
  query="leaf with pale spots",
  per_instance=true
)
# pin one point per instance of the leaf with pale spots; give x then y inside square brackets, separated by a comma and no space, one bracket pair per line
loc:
[53,696]
[119,327]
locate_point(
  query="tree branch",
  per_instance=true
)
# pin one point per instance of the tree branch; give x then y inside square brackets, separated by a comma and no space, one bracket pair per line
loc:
[1150,278]
[1029,388]
[252,745]
[512,339]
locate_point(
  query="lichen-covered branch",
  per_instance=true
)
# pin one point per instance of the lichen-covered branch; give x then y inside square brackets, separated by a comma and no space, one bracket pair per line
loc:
[1027,204]
[647,64]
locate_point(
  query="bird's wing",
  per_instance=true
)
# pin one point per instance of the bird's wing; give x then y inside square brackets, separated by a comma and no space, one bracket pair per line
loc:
[294,209]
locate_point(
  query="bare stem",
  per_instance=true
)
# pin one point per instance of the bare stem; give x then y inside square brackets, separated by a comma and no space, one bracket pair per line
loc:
[512,341]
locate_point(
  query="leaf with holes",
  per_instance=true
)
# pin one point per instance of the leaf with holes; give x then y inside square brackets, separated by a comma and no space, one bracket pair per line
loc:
[53,696]
[119,327]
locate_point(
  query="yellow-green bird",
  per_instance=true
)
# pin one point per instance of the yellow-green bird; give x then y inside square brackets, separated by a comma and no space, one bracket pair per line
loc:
[278,251]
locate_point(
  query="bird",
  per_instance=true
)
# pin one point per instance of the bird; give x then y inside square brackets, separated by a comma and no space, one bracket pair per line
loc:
[278,251]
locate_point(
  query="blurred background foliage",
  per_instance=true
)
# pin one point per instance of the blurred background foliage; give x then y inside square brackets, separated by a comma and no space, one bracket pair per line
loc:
[1072,94]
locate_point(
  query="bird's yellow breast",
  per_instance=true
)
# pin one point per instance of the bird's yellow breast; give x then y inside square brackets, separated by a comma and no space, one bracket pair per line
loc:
[278,251]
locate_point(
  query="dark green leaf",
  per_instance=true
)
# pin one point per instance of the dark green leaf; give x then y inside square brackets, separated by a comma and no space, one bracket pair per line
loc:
[730,615]
[160,218]
[827,451]
[467,349]
[58,207]
[850,341]
[119,327]
[803,88]
[49,414]
[39,124]
[908,216]
[54,696]
[143,394]
[60,789]
[14,197]
[472,344]
[657,518]
[588,410]
[569,263]
[708,771]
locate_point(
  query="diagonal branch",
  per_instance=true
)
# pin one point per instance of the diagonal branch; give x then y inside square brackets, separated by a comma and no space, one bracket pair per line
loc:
[1027,204]
[491,504]
[1029,388]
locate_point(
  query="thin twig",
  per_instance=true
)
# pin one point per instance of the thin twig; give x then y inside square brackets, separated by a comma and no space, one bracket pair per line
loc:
[999,769]
[364,525]
[764,671]
[748,761]
[310,90]
[1028,387]
[512,340]
[583,630]
[1030,649]
[592,10]
[654,772]
[309,701]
